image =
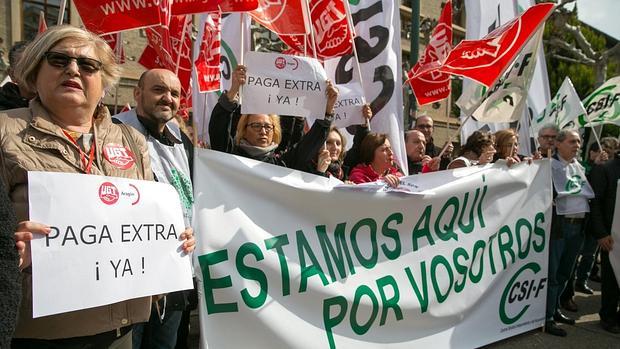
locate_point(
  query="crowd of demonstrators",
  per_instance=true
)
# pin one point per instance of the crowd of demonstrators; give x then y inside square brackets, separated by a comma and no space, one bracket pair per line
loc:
[15,94]
[478,150]
[64,129]
[60,81]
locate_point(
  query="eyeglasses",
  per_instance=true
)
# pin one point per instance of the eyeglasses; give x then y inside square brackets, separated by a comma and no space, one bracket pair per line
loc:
[61,60]
[257,126]
[548,137]
[424,126]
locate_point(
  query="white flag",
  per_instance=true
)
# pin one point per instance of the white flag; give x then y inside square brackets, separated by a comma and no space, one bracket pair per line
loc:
[562,111]
[602,105]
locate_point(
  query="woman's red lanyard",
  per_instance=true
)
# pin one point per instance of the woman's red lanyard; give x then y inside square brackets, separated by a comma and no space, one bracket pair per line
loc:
[86,164]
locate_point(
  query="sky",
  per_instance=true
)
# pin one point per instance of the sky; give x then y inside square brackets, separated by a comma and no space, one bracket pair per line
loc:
[601,14]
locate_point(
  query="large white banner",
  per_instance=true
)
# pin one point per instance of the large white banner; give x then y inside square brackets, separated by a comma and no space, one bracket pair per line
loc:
[234,27]
[283,84]
[377,25]
[460,261]
[111,239]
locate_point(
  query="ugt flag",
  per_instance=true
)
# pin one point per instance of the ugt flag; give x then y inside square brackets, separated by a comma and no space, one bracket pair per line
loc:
[208,63]
[435,85]
[283,16]
[104,17]
[602,105]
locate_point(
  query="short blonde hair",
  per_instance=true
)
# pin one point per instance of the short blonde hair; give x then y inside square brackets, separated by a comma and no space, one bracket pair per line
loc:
[243,123]
[30,62]
[502,137]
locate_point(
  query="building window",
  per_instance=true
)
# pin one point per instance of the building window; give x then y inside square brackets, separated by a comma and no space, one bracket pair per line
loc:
[30,15]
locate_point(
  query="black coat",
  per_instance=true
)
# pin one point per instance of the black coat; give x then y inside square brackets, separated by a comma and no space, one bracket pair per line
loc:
[10,97]
[10,281]
[604,182]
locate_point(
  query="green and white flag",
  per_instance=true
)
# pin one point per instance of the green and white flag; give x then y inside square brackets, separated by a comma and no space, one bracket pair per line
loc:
[602,105]
[562,110]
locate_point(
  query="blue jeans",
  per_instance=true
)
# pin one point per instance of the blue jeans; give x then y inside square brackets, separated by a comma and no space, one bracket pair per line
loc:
[157,334]
[562,255]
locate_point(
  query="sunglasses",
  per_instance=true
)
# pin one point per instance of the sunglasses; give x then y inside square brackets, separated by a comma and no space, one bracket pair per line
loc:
[61,60]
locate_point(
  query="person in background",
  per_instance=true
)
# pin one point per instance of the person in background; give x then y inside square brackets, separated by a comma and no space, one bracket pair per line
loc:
[425,124]
[66,129]
[415,146]
[546,139]
[478,150]
[15,94]
[10,292]
[377,162]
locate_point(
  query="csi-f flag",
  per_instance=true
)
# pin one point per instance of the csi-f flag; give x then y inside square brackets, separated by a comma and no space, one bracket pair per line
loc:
[602,105]
[505,100]
[562,110]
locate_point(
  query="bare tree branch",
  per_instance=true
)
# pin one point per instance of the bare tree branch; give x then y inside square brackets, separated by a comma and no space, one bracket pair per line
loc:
[571,60]
[574,51]
[611,52]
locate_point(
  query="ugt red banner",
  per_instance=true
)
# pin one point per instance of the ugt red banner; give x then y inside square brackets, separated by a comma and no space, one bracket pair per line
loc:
[282,17]
[111,16]
[238,5]
[484,60]
[208,62]
[434,85]
[332,32]
[187,7]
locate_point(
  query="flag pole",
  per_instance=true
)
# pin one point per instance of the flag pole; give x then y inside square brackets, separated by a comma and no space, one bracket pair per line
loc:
[117,52]
[312,39]
[357,61]
[61,11]
[458,130]
[241,53]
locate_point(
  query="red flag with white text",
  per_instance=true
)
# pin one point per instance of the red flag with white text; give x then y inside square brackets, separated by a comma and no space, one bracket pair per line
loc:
[207,64]
[109,16]
[42,23]
[332,33]
[187,7]
[433,86]
[484,60]
[287,17]
[238,5]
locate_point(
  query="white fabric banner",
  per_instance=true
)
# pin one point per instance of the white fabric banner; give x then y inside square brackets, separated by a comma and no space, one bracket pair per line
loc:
[112,239]
[614,254]
[230,57]
[602,105]
[562,111]
[460,261]
[377,25]
[284,85]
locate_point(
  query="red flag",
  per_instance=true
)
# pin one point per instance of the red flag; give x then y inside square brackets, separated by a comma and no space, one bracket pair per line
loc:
[484,60]
[238,5]
[187,7]
[282,16]
[117,46]
[42,24]
[208,62]
[166,50]
[127,107]
[103,17]
[332,33]
[434,85]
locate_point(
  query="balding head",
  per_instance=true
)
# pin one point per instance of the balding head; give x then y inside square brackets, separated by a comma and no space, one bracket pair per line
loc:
[415,145]
[158,96]
[424,124]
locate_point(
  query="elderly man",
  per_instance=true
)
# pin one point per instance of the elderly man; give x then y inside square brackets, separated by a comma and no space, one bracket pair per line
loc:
[571,192]
[424,124]
[546,139]
[415,145]
[158,97]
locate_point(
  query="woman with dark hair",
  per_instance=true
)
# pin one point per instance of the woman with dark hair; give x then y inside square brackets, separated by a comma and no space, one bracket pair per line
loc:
[478,150]
[377,161]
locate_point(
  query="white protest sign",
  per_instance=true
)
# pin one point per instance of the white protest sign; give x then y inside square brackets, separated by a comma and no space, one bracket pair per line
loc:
[348,107]
[614,254]
[284,85]
[112,239]
[459,262]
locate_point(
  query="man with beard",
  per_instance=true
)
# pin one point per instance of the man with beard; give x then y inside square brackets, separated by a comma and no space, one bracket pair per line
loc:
[424,124]
[158,96]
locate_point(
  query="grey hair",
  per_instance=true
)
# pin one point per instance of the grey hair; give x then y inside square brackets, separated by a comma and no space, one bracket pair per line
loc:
[549,126]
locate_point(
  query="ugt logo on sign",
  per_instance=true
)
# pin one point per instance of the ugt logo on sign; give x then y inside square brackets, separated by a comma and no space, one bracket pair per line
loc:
[522,290]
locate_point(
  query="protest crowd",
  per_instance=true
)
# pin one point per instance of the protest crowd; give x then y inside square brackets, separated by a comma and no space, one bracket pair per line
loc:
[53,120]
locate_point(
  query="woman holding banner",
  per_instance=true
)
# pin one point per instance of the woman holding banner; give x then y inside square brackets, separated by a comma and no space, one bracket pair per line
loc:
[258,136]
[377,162]
[478,150]
[66,129]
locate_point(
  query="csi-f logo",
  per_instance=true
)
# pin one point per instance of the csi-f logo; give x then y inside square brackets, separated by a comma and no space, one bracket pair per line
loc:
[574,184]
[118,156]
[108,193]
[524,287]
[282,62]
